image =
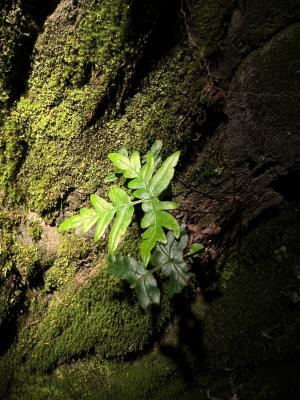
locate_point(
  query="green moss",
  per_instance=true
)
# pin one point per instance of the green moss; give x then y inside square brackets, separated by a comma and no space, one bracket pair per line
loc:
[207,24]
[150,377]
[93,313]
[74,68]
[14,30]
[73,254]
[54,110]
[255,319]
[35,230]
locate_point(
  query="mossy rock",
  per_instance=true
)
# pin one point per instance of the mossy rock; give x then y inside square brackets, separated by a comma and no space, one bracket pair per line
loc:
[257,317]
[149,377]
[61,120]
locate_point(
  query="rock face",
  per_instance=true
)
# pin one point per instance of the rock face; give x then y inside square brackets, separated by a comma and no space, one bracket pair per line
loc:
[218,80]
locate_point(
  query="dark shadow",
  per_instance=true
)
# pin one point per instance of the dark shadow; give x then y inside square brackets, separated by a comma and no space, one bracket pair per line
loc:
[35,13]
[187,354]
[8,322]
[287,186]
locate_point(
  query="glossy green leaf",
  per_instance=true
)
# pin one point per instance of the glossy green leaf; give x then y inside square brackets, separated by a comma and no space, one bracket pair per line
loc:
[151,236]
[73,222]
[85,221]
[124,212]
[143,179]
[169,257]
[122,150]
[154,220]
[130,167]
[105,212]
[136,274]
[155,152]
[156,148]
[88,219]
[162,178]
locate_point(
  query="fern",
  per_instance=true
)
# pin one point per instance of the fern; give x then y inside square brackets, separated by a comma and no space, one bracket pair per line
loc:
[147,180]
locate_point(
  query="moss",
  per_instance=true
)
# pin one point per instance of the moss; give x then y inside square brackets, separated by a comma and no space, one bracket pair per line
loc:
[255,319]
[35,230]
[73,254]
[152,376]
[94,313]
[56,106]
[261,20]
[15,29]
[74,68]
[208,24]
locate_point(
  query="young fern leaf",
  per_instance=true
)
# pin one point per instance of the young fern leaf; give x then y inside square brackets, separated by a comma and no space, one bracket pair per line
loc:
[86,219]
[162,178]
[113,176]
[102,214]
[148,188]
[124,212]
[154,220]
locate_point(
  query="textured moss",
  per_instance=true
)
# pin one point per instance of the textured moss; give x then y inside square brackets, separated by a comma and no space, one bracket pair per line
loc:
[255,320]
[73,254]
[94,313]
[15,29]
[57,105]
[208,24]
[35,230]
[74,67]
[150,377]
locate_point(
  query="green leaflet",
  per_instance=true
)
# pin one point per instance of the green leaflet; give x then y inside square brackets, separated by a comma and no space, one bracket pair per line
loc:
[111,177]
[105,212]
[169,257]
[140,279]
[124,212]
[73,222]
[155,151]
[129,166]
[102,215]
[142,181]
[162,178]
[85,221]
[155,220]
